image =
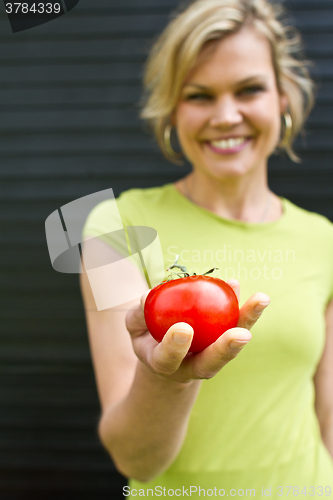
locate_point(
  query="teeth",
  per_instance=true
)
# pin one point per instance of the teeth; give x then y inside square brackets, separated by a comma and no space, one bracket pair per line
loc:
[228,144]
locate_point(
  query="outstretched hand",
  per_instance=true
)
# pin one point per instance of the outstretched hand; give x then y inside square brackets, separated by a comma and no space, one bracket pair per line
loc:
[170,358]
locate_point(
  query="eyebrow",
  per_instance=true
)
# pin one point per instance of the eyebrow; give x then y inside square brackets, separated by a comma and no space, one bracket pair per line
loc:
[241,82]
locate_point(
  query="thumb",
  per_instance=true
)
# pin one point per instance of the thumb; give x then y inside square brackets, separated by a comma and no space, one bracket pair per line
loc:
[170,352]
[180,333]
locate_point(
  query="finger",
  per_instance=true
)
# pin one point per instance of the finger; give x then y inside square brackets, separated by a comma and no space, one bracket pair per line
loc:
[208,362]
[167,356]
[234,284]
[143,299]
[251,311]
[143,344]
[135,318]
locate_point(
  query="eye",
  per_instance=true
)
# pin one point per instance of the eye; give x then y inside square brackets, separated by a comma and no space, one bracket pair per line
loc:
[253,89]
[199,96]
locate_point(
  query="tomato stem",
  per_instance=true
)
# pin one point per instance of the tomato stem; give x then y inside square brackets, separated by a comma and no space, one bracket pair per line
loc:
[210,271]
[184,270]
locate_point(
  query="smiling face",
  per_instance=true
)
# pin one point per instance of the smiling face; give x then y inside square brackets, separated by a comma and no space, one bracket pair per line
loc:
[228,115]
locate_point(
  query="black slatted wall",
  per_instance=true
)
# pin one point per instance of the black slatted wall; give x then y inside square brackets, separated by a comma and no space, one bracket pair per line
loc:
[69,127]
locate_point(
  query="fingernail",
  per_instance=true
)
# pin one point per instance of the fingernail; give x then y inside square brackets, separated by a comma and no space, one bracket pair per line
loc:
[236,345]
[261,306]
[181,337]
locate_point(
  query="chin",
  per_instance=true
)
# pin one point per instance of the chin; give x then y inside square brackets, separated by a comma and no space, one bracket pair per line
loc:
[228,171]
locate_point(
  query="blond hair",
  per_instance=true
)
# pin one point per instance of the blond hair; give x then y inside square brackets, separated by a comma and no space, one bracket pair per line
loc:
[176,50]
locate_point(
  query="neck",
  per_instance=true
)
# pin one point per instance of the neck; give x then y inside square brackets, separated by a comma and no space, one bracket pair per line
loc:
[241,199]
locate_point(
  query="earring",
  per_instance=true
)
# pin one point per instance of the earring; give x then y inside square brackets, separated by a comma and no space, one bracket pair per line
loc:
[167,142]
[288,127]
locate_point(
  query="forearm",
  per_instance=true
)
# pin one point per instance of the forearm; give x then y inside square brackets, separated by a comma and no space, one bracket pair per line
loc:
[145,431]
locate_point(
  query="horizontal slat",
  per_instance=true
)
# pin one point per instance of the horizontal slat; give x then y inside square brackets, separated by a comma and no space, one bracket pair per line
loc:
[49,396]
[322,69]
[307,4]
[46,341]
[318,44]
[313,20]
[70,380]
[103,7]
[72,189]
[109,169]
[42,280]
[128,49]
[45,355]
[53,120]
[44,332]
[13,491]
[36,257]
[43,435]
[33,212]
[325,91]
[92,461]
[109,95]
[45,417]
[49,444]
[100,6]
[114,4]
[53,483]
[52,144]
[123,25]
[78,74]
[52,302]
[41,370]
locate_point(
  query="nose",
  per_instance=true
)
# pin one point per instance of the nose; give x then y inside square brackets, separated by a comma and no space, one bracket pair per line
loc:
[226,113]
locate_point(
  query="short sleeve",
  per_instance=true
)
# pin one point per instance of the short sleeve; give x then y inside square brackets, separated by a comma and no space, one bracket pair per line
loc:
[104,222]
[137,244]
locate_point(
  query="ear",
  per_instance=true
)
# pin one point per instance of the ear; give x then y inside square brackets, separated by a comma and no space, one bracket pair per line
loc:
[284,103]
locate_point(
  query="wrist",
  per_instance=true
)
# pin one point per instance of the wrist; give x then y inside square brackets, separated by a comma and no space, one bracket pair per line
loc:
[165,382]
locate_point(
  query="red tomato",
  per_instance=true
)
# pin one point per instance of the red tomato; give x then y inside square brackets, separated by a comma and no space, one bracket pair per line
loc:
[208,304]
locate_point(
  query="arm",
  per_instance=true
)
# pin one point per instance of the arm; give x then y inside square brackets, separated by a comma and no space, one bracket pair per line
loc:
[144,416]
[147,390]
[323,381]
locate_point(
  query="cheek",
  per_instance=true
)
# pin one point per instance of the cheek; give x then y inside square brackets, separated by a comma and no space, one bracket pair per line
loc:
[190,119]
[267,119]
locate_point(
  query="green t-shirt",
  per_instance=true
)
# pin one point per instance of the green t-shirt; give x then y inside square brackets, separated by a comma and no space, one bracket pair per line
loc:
[253,425]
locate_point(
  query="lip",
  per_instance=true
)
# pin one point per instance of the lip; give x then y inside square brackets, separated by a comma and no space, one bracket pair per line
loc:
[229,151]
[226,137]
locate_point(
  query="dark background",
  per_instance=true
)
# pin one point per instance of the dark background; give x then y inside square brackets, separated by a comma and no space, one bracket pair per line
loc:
[69,127]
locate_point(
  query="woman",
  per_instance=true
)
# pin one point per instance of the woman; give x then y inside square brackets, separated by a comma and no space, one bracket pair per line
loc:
[226,75]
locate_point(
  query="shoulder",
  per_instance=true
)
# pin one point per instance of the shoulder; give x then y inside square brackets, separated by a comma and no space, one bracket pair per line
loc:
[311,224]
[130,205]
[136,198]
[146,196]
